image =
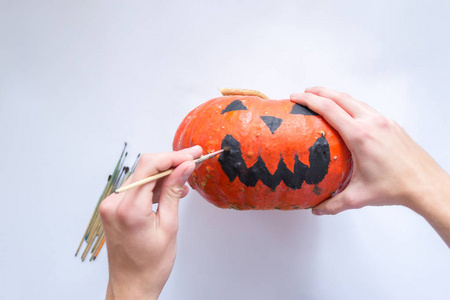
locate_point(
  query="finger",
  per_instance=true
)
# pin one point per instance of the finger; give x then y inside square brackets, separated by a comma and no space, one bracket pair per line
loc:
[350,198]
[331,206]
[337,117]
[151,164]
[171,192]
[157,192]
[196,152]
[353,107]
[141,197]
[185,191]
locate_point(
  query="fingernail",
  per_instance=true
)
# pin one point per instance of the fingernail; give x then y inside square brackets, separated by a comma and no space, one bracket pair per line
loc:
[317,212]
[196,148]
[188,172]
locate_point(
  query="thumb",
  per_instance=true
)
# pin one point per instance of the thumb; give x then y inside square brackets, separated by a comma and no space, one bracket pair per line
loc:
[331,206]
[171,192]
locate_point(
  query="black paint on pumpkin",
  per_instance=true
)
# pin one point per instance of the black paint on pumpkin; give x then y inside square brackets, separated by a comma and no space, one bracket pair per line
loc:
[235,105]
[272,122]
[319,159]
[298,109]
[233,164]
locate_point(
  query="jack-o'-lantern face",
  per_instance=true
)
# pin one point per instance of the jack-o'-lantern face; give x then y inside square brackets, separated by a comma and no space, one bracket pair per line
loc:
[282,155]
[233,164]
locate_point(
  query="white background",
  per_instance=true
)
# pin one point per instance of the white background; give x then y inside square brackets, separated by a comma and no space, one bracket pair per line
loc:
[78,78]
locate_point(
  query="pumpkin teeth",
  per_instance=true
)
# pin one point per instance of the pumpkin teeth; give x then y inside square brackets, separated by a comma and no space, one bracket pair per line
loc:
[233,164]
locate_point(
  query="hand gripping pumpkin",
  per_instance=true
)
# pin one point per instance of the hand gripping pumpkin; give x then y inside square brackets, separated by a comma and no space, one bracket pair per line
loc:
[282,155]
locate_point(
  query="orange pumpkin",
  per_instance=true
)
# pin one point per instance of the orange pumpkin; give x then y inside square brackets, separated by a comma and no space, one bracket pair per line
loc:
[282,155]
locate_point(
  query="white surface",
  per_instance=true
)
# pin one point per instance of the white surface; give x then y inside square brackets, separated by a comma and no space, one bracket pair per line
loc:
[78,78]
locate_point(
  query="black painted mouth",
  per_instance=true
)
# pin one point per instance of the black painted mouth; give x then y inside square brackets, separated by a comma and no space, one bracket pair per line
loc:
[233,165]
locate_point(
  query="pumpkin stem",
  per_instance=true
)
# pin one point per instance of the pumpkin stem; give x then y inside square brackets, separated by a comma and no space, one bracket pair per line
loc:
[242,92]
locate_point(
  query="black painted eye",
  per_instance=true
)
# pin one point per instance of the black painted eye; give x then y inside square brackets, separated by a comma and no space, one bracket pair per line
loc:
[272,122]
[298,109]
[235,105]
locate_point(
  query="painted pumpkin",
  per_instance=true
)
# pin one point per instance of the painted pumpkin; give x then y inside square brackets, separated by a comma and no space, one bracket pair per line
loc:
[282,155]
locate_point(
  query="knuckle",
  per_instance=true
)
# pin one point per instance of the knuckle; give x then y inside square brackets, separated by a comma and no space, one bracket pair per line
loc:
[393,123]
[348,201]
[175,192]
[352,202]
[146,159]
[330,210]
[308,97]
[328,105]
[106,210]
[345,96]
[364,104]
[316,89]
[381,121]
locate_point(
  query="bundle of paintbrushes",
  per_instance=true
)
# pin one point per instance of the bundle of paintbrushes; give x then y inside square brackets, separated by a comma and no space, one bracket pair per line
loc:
[94,235]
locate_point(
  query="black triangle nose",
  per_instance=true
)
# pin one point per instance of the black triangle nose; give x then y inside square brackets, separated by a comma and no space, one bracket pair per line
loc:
[272,122]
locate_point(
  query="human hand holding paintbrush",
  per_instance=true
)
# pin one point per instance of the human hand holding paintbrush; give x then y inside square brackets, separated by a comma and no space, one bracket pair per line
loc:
[142,243]
[167,172]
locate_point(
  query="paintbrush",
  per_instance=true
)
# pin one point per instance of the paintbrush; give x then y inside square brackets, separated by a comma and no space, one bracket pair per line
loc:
[165,173]
[95,226]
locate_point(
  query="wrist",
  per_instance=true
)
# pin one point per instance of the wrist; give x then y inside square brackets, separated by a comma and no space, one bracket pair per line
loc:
[430,195]
[119,291]
[437,211]
[434,206]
